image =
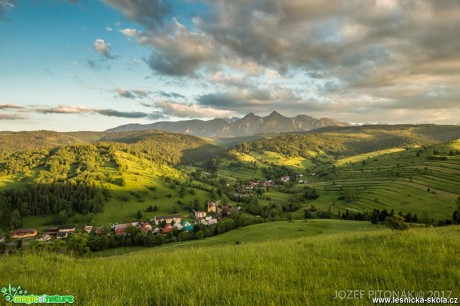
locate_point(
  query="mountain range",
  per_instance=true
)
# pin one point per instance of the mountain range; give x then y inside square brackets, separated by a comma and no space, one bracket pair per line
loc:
[249,125]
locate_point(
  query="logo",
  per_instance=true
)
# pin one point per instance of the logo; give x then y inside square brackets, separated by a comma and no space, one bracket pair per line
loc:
[19,295]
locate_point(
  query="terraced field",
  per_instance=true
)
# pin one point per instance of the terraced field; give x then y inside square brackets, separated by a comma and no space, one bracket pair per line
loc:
[407,180]
[400,181]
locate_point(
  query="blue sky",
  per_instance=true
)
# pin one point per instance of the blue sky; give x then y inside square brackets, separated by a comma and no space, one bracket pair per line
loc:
[93,65]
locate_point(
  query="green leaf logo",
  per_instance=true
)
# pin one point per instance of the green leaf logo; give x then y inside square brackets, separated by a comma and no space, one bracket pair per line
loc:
[11,291]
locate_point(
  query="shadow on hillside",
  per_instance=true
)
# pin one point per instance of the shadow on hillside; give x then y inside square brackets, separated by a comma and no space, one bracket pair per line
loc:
[200,154]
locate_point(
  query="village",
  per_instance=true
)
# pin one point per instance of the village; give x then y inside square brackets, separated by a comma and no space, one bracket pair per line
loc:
[161,225]
[246,189]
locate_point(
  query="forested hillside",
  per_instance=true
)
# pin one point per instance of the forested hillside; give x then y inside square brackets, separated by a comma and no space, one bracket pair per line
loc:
[347,141]
[174,148]
[76,179]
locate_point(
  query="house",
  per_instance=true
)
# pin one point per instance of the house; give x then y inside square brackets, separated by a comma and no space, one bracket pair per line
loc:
[52,231]
[44,237]
[167,229]
[227,210]
[120,229]
[100,231]
[285,179]
[145,227]
[188,226]
[168,219]
[212,207]
[62,235]
[88,229]
[200,214]
[23,233]
[178,226]
[209,221]
[267,183]
[66,229]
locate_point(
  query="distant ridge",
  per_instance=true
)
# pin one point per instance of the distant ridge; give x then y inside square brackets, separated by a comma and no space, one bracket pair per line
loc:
[249,125]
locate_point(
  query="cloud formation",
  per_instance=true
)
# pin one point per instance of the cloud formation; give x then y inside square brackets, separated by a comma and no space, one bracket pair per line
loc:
[383,56]
[355,60]
[65,109]
[103,48]
[115,113]
[149,13]
[132,93]
[10,106]
[129,32]
[4,5]
[174,109]
[12,117]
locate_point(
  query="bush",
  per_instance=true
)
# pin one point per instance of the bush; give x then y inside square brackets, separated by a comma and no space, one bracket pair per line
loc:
[396,223]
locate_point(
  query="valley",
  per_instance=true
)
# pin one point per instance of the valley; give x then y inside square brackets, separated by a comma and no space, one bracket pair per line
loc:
[326,193]
[407,169]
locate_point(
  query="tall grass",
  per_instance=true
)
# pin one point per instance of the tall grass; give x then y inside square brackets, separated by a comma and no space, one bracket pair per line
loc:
[295,271]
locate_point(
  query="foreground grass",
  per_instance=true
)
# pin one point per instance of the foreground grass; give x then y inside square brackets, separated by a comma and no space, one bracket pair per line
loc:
[297,271]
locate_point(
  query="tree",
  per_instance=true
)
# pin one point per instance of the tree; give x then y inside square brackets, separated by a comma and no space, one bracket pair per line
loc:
[62,217]
[182,191]
[350,196]
[139,215]
[98,243]
[396,223]
[224,199]
[307,214]
[375,216]
[15,221]
[456,214]
[159,240]
[455,217]
[78,244]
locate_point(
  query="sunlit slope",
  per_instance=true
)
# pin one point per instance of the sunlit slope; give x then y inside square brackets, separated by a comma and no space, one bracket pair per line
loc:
[305,270]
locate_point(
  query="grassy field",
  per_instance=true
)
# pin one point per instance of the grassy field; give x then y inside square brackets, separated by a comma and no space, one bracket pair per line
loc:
[393,178]
[269,231]
[304,269]
[398,180]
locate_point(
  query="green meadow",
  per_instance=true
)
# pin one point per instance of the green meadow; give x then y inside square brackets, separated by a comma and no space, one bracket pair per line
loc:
[402,179]
[303,268]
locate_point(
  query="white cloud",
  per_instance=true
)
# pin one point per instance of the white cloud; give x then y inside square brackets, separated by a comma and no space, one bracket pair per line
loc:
[129,32]
[103,48]
[191,110]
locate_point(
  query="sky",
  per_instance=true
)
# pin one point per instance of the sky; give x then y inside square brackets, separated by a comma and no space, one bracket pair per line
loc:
[70,65]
